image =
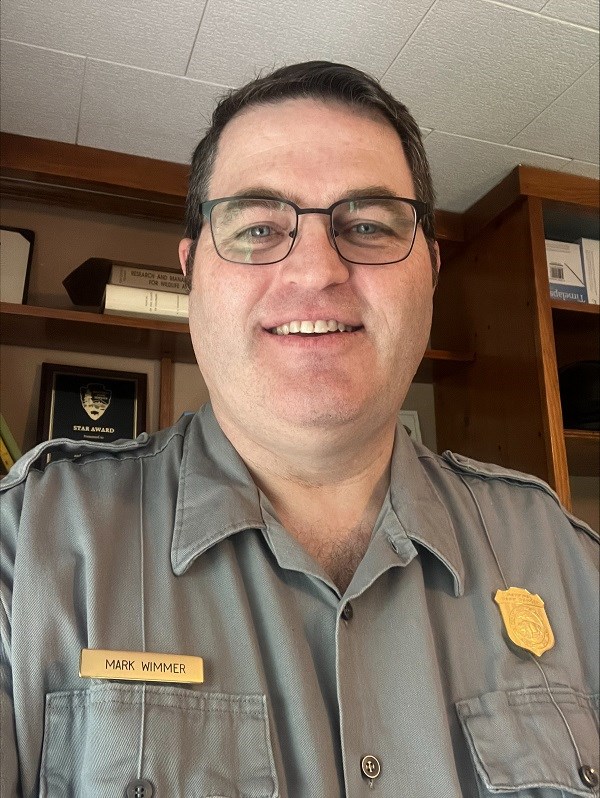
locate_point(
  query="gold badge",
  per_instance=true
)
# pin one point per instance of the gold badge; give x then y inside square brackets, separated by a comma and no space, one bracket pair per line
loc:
[525,619]
[140,666]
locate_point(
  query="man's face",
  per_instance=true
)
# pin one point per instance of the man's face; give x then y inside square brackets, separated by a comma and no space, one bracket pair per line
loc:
[313,154]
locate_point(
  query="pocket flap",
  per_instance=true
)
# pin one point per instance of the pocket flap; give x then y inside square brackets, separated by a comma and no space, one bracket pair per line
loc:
[519,741]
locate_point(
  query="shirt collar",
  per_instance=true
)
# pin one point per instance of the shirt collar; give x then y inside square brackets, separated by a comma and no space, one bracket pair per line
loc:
[421,513]
[217,498]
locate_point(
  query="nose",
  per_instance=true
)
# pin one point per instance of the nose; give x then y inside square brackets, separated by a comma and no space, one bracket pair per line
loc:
[314,261]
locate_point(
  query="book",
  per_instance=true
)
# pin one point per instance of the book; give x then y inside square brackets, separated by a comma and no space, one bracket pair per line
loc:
[5,457]
[565,271]
[146,277]
[590,255]
[8,438]
[86,284]
[123,300]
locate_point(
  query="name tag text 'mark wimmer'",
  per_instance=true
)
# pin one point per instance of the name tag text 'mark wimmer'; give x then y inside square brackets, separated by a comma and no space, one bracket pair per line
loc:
[141,666]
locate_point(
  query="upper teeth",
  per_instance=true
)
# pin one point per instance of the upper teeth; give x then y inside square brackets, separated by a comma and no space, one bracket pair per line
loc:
[307,327]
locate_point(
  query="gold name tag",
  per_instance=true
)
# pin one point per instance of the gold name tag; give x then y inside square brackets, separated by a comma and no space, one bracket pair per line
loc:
[140,666]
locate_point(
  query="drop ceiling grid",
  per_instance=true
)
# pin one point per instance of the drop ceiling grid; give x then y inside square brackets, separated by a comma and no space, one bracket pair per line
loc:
[152,114]
[553,127]
[495,83]
[152,34]
[487,75]
[581,12]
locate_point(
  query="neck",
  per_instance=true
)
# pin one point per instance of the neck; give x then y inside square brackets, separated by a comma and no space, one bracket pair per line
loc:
[326,489]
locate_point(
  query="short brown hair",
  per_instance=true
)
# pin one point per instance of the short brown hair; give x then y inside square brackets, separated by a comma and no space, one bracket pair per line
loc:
[316,80]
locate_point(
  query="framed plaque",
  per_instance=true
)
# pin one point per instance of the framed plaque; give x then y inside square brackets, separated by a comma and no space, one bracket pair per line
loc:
[90,404]
[16,250]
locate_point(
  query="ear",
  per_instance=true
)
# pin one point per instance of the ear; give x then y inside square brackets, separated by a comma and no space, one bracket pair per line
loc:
[436,262]
[184,251]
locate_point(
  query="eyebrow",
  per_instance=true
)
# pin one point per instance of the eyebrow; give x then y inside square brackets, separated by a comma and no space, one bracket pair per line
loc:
[366,192]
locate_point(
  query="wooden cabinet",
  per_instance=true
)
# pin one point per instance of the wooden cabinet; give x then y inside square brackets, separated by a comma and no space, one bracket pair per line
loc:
[497,339]
[494,298]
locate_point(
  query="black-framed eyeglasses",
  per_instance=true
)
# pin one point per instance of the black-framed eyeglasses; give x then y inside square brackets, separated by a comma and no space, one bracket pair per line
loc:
[371,231]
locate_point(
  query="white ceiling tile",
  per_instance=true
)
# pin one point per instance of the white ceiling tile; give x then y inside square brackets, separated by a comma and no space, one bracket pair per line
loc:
[485,70]
[582,168]
[582,12]
[40,92]
[239,39]
[464,169]
[155,34]
[144,113]
[568,127]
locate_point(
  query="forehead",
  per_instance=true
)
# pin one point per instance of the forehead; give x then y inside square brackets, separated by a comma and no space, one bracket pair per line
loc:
[310,151]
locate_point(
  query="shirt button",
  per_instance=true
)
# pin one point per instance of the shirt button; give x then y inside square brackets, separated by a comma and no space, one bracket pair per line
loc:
[347,611]
[370,766]
[588,776]
[139,788]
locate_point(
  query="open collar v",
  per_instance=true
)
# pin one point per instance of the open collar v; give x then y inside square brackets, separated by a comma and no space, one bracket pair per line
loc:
[218,498]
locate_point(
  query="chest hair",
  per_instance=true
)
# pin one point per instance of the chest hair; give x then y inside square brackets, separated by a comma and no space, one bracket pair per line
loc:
[338,554]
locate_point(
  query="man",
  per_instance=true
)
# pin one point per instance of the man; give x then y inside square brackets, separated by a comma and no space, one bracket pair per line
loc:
[343,585]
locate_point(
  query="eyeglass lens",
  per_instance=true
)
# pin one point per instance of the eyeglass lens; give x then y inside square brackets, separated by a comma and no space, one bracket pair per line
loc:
[260,231]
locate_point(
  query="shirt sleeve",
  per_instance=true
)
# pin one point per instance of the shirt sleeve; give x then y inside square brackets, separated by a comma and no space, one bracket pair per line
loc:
[10,511]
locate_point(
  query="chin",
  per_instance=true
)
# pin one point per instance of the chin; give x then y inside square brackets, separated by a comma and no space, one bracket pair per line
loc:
[318,411]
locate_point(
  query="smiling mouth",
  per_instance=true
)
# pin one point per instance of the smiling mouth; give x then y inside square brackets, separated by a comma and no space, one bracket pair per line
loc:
[319,327]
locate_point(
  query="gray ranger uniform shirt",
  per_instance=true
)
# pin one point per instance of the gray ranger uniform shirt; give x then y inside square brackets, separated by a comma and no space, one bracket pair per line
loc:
[164,544]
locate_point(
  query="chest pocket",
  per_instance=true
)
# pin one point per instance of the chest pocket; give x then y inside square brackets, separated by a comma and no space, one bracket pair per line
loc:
[196,745]
[520,746]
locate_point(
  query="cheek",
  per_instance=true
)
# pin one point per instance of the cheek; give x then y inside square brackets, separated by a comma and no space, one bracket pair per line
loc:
[403,301]
[404,321]
[223,301]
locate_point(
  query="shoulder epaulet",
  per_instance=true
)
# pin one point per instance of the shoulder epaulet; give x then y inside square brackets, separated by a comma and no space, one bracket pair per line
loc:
[66,449]
[466,465]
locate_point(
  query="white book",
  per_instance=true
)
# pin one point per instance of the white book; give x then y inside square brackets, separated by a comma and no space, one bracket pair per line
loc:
[590,254]
[565,271]
[123,300]
[141,277]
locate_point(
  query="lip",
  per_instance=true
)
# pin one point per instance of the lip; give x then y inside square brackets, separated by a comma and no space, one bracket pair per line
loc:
[316,341]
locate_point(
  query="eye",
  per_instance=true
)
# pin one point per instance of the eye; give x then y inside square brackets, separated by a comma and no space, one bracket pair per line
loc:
[366,228]
[259,231]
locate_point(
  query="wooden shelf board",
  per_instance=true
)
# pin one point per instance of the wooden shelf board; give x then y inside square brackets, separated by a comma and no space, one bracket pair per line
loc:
[141,207]
[559,186]
[79,331]
[583,452]
[575,307]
